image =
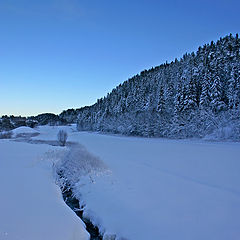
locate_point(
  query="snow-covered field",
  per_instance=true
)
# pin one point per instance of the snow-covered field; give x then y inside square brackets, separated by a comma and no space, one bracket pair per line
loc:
[164,189]
[152,189]
[31,205]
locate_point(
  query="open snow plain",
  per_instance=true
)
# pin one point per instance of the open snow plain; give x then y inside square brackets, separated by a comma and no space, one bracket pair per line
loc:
[152,189]
[161,189]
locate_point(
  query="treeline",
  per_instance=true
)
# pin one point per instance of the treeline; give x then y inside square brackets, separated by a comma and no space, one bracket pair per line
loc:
[8,123]
[196,96]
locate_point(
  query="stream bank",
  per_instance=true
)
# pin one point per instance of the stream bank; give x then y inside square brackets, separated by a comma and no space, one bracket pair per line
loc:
[73,203]
[67,193]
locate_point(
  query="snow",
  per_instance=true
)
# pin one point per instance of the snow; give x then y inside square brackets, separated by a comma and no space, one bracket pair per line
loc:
[50,132]
[31,205]
[160,189]
[164,189]
[139,188]
[23,130]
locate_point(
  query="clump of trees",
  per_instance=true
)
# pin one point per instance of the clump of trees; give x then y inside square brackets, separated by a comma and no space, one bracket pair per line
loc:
[10,122]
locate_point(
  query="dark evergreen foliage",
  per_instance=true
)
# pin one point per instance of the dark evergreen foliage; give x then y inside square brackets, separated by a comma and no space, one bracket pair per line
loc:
[47,118]
[10,122]
[69,116]
[195,96]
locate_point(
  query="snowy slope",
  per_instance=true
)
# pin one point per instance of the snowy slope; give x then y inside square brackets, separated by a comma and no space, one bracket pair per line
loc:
[24,130]
[161,189]
[31,205]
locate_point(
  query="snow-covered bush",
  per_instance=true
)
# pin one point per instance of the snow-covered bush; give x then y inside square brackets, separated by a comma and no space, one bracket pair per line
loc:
[5,134]
[62,137]
[77,163]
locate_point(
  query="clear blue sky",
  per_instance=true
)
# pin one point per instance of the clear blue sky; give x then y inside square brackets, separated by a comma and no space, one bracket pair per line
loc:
[60,54]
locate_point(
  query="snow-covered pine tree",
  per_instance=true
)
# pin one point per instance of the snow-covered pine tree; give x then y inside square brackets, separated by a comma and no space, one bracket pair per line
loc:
[192,96]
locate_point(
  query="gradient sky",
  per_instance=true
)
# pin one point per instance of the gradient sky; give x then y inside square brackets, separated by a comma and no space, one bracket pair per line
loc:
[60,54]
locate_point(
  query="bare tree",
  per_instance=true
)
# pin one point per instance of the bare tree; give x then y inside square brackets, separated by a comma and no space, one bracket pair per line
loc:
[62,137]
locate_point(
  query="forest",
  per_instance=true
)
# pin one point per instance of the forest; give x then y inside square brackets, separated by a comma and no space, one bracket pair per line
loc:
[194,97]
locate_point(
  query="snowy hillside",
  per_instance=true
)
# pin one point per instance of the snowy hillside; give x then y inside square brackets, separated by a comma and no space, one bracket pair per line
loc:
[155,189]
[196,96]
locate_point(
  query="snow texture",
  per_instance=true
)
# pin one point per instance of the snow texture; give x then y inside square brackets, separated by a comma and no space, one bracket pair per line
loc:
[31,204]
[22,131]
[160,189]
[132,188]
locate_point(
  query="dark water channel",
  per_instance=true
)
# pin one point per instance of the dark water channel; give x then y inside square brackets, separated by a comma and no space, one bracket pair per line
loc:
[73,203]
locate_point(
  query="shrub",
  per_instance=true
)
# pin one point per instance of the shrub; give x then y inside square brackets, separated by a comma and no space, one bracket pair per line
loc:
[5,134]
[62,137]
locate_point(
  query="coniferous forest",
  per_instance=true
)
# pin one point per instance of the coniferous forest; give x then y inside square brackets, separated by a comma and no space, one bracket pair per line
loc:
[196,96]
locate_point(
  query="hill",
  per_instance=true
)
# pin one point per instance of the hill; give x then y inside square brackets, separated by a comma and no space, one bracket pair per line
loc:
[196,96]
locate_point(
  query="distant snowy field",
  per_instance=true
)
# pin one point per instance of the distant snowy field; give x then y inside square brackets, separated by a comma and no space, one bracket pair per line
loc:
[153,189]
